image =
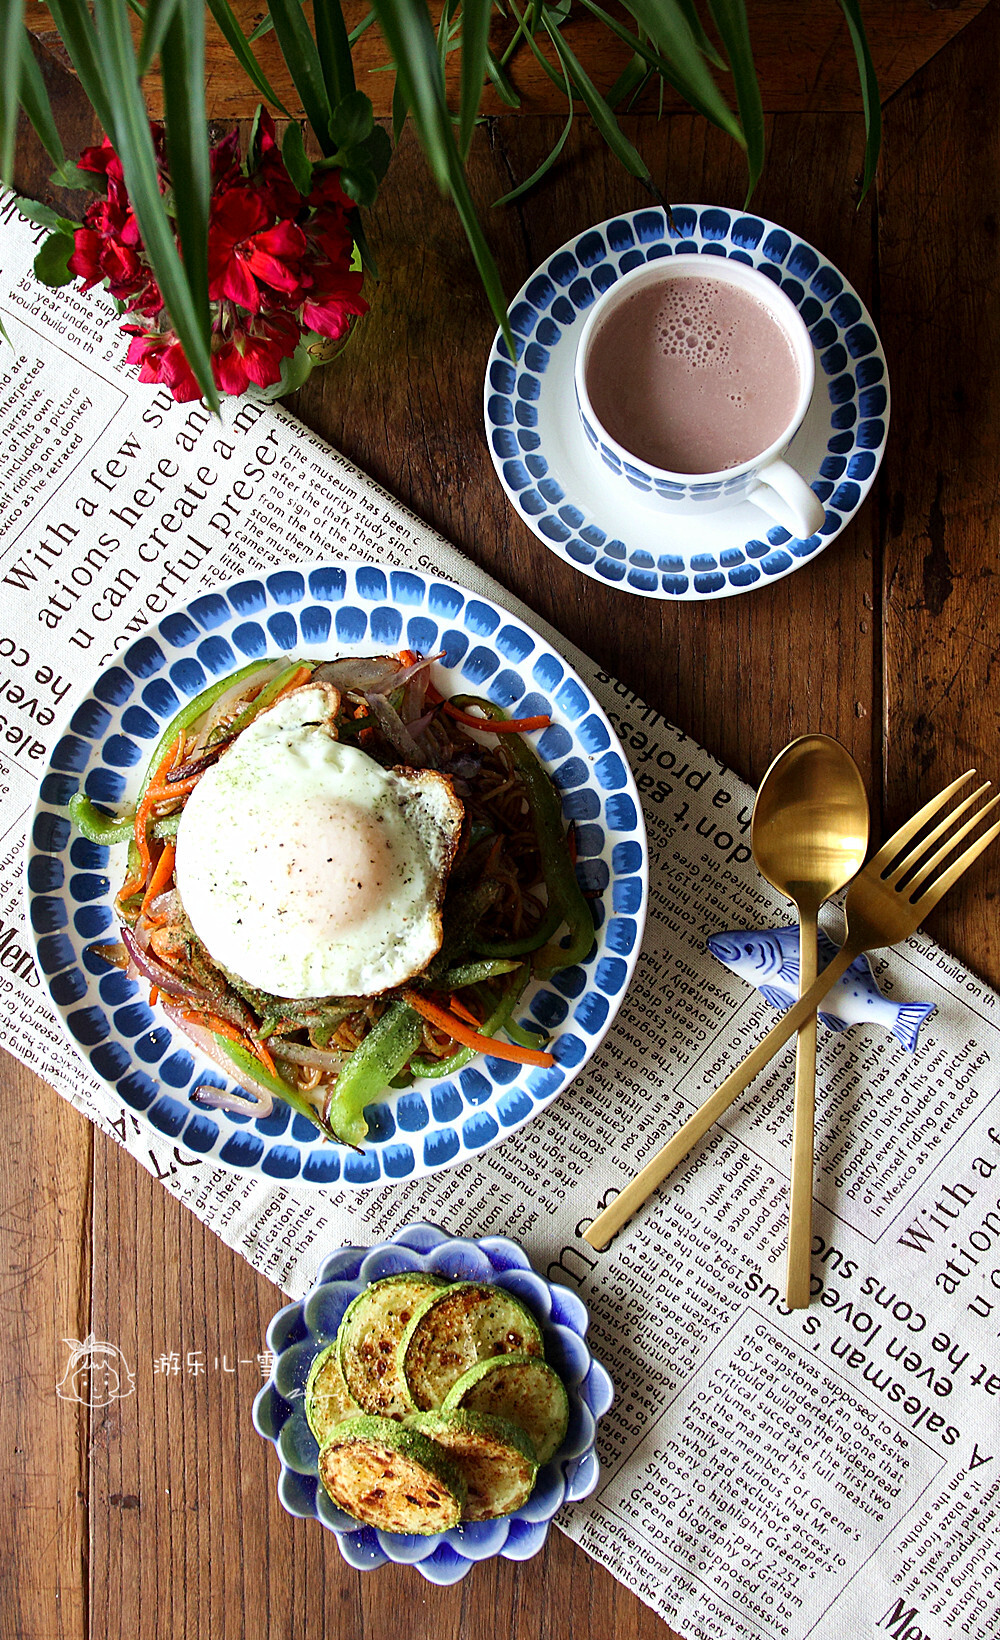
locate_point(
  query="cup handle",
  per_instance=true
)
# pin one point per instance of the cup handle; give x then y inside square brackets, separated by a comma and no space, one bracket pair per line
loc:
[785,495]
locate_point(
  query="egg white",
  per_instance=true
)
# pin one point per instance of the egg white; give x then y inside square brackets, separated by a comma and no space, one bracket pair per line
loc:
[309,870]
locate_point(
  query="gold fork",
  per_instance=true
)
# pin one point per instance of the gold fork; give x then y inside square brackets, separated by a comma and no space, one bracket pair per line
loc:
[881,909]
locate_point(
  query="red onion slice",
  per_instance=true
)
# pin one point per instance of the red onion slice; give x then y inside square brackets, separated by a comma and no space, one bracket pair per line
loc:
[406,674]
[221,1099]
[396,732]
[204,1039]
[158,974]
[359,672]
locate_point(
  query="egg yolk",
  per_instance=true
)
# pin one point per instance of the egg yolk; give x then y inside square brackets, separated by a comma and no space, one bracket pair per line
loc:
[333,860]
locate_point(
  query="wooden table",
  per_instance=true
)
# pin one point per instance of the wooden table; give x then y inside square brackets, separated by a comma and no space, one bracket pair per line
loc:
[158,1514]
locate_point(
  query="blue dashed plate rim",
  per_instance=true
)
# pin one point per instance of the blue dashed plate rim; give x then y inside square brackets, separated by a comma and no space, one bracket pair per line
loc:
[555,481]
[323,610]
[297,1334]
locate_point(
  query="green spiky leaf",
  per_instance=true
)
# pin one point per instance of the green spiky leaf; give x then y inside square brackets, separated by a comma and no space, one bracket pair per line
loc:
[731,21]
[475,44]
[869,91]
[297,163]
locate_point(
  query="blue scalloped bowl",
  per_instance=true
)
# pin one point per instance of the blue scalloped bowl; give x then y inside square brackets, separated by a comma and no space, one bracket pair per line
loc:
[298,1333]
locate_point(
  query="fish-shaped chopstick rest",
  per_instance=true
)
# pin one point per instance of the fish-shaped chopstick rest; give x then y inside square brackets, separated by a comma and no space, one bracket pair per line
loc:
[770,961]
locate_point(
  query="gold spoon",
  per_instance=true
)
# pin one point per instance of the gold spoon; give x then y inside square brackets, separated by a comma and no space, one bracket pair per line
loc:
[809,837]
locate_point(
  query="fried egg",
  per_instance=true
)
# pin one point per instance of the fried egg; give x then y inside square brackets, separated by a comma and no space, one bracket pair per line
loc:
[309,870]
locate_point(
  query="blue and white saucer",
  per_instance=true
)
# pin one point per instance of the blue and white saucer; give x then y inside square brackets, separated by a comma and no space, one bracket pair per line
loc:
[563,490]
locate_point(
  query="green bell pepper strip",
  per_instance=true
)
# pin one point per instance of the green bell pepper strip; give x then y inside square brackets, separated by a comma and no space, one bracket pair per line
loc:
[565,894]
[497,1021]
[250,1066]
[526,1039]
[108,830]
[263,700]
[463,911]
[377,1059]
[98,827]
[552,920]
[473,973]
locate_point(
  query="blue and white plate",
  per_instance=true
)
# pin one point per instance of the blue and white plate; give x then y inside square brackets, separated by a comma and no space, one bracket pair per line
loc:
[300,1331]
[562,489]
[322,612]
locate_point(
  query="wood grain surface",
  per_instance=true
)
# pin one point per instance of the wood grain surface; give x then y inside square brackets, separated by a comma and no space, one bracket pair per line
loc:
[802,49]
[158,1515]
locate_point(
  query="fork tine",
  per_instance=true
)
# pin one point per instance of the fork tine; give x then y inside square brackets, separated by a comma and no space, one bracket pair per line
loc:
[947,847]
[915,853]
[933,892]
[887,854]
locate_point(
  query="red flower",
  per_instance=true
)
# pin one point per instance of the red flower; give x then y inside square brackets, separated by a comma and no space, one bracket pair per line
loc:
[327,191]
[278,264]
[245,253]
[162,359]
[255,354]
[334,298]
[224,162]
[85,262]
[269,174]
[329,233]
[102,161]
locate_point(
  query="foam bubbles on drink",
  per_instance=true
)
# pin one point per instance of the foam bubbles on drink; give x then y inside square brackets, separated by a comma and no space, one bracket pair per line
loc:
[693,375]
[688,331]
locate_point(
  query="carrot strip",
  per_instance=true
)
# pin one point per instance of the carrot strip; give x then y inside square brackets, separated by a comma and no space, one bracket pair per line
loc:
[154,995]
[497,726]
[222,1027]
[458,1032]
[142,814]
[263,1055]
[458,1007]
[162,874]
[303,675]
[177,788]
[212,1022]
[407,657]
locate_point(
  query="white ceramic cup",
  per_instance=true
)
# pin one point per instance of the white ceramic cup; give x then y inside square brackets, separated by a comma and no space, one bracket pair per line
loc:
[766,479]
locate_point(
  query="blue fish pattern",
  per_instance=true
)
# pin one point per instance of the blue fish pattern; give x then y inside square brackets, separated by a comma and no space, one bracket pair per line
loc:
[770,961]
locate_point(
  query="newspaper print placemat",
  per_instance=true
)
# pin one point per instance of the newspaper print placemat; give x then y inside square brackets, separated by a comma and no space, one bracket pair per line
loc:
[822,1473]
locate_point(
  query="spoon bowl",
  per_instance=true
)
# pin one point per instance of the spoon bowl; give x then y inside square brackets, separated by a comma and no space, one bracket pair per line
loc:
[810,822]
[809,837]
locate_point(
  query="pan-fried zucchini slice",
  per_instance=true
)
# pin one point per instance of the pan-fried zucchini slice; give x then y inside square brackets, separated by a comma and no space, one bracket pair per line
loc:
[390,1476]
[328,1398]
[455,1328]
[493,1456]
[521,1388]
[369,1334]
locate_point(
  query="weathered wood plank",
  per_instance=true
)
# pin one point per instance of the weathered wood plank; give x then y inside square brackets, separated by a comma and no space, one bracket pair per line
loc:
[938,248]
[45,1222]
[803,53]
